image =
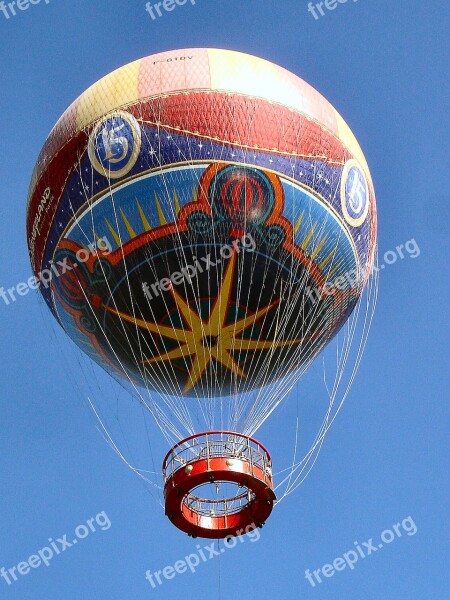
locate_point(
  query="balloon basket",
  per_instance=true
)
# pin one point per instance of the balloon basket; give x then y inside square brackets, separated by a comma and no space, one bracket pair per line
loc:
[218,484]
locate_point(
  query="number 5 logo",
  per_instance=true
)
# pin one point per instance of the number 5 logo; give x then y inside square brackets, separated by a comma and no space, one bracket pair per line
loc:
[114,144]
[355,198]
[111,142]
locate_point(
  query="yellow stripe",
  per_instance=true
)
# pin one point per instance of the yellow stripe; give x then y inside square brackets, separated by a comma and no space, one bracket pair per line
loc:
[113,232]
[145,223]
[346,136]
[108,94]
[299,222]
[162,218]
[130,230]
[319,247]
[177,201]
[308,237]
[253,76]
[326,259]
[333,270]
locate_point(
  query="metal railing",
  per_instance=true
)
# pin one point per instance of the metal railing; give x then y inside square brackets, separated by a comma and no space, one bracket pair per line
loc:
[218,507]
[214,444]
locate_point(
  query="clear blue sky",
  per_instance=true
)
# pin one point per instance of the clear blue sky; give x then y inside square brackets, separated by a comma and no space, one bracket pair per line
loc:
[381,63]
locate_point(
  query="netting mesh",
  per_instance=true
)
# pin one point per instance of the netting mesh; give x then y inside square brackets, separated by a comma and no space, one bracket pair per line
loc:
[226,237]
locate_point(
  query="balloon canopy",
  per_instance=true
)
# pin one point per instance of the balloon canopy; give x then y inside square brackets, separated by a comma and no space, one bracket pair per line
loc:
[203,223]
[208,218]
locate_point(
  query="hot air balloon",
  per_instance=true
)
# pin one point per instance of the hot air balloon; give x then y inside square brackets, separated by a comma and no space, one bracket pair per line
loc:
[209,222]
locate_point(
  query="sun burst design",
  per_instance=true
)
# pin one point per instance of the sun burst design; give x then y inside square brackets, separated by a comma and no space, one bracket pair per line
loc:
[208,339]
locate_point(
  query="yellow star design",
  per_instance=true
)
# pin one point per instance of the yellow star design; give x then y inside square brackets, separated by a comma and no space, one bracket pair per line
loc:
[210,339]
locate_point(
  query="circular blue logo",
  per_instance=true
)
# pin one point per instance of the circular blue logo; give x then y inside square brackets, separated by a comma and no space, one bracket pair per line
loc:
[114,144]
[354,194]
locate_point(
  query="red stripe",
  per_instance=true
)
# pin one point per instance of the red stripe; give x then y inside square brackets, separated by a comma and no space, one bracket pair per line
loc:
[234,119]
[242,120]
[54,177]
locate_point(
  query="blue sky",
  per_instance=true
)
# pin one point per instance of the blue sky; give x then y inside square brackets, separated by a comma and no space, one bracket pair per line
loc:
[382,65]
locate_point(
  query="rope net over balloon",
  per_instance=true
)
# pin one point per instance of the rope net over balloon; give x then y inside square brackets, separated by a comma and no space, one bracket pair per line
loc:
[207,247]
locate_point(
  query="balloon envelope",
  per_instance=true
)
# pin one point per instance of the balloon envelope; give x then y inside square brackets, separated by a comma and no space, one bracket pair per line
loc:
[204,221]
